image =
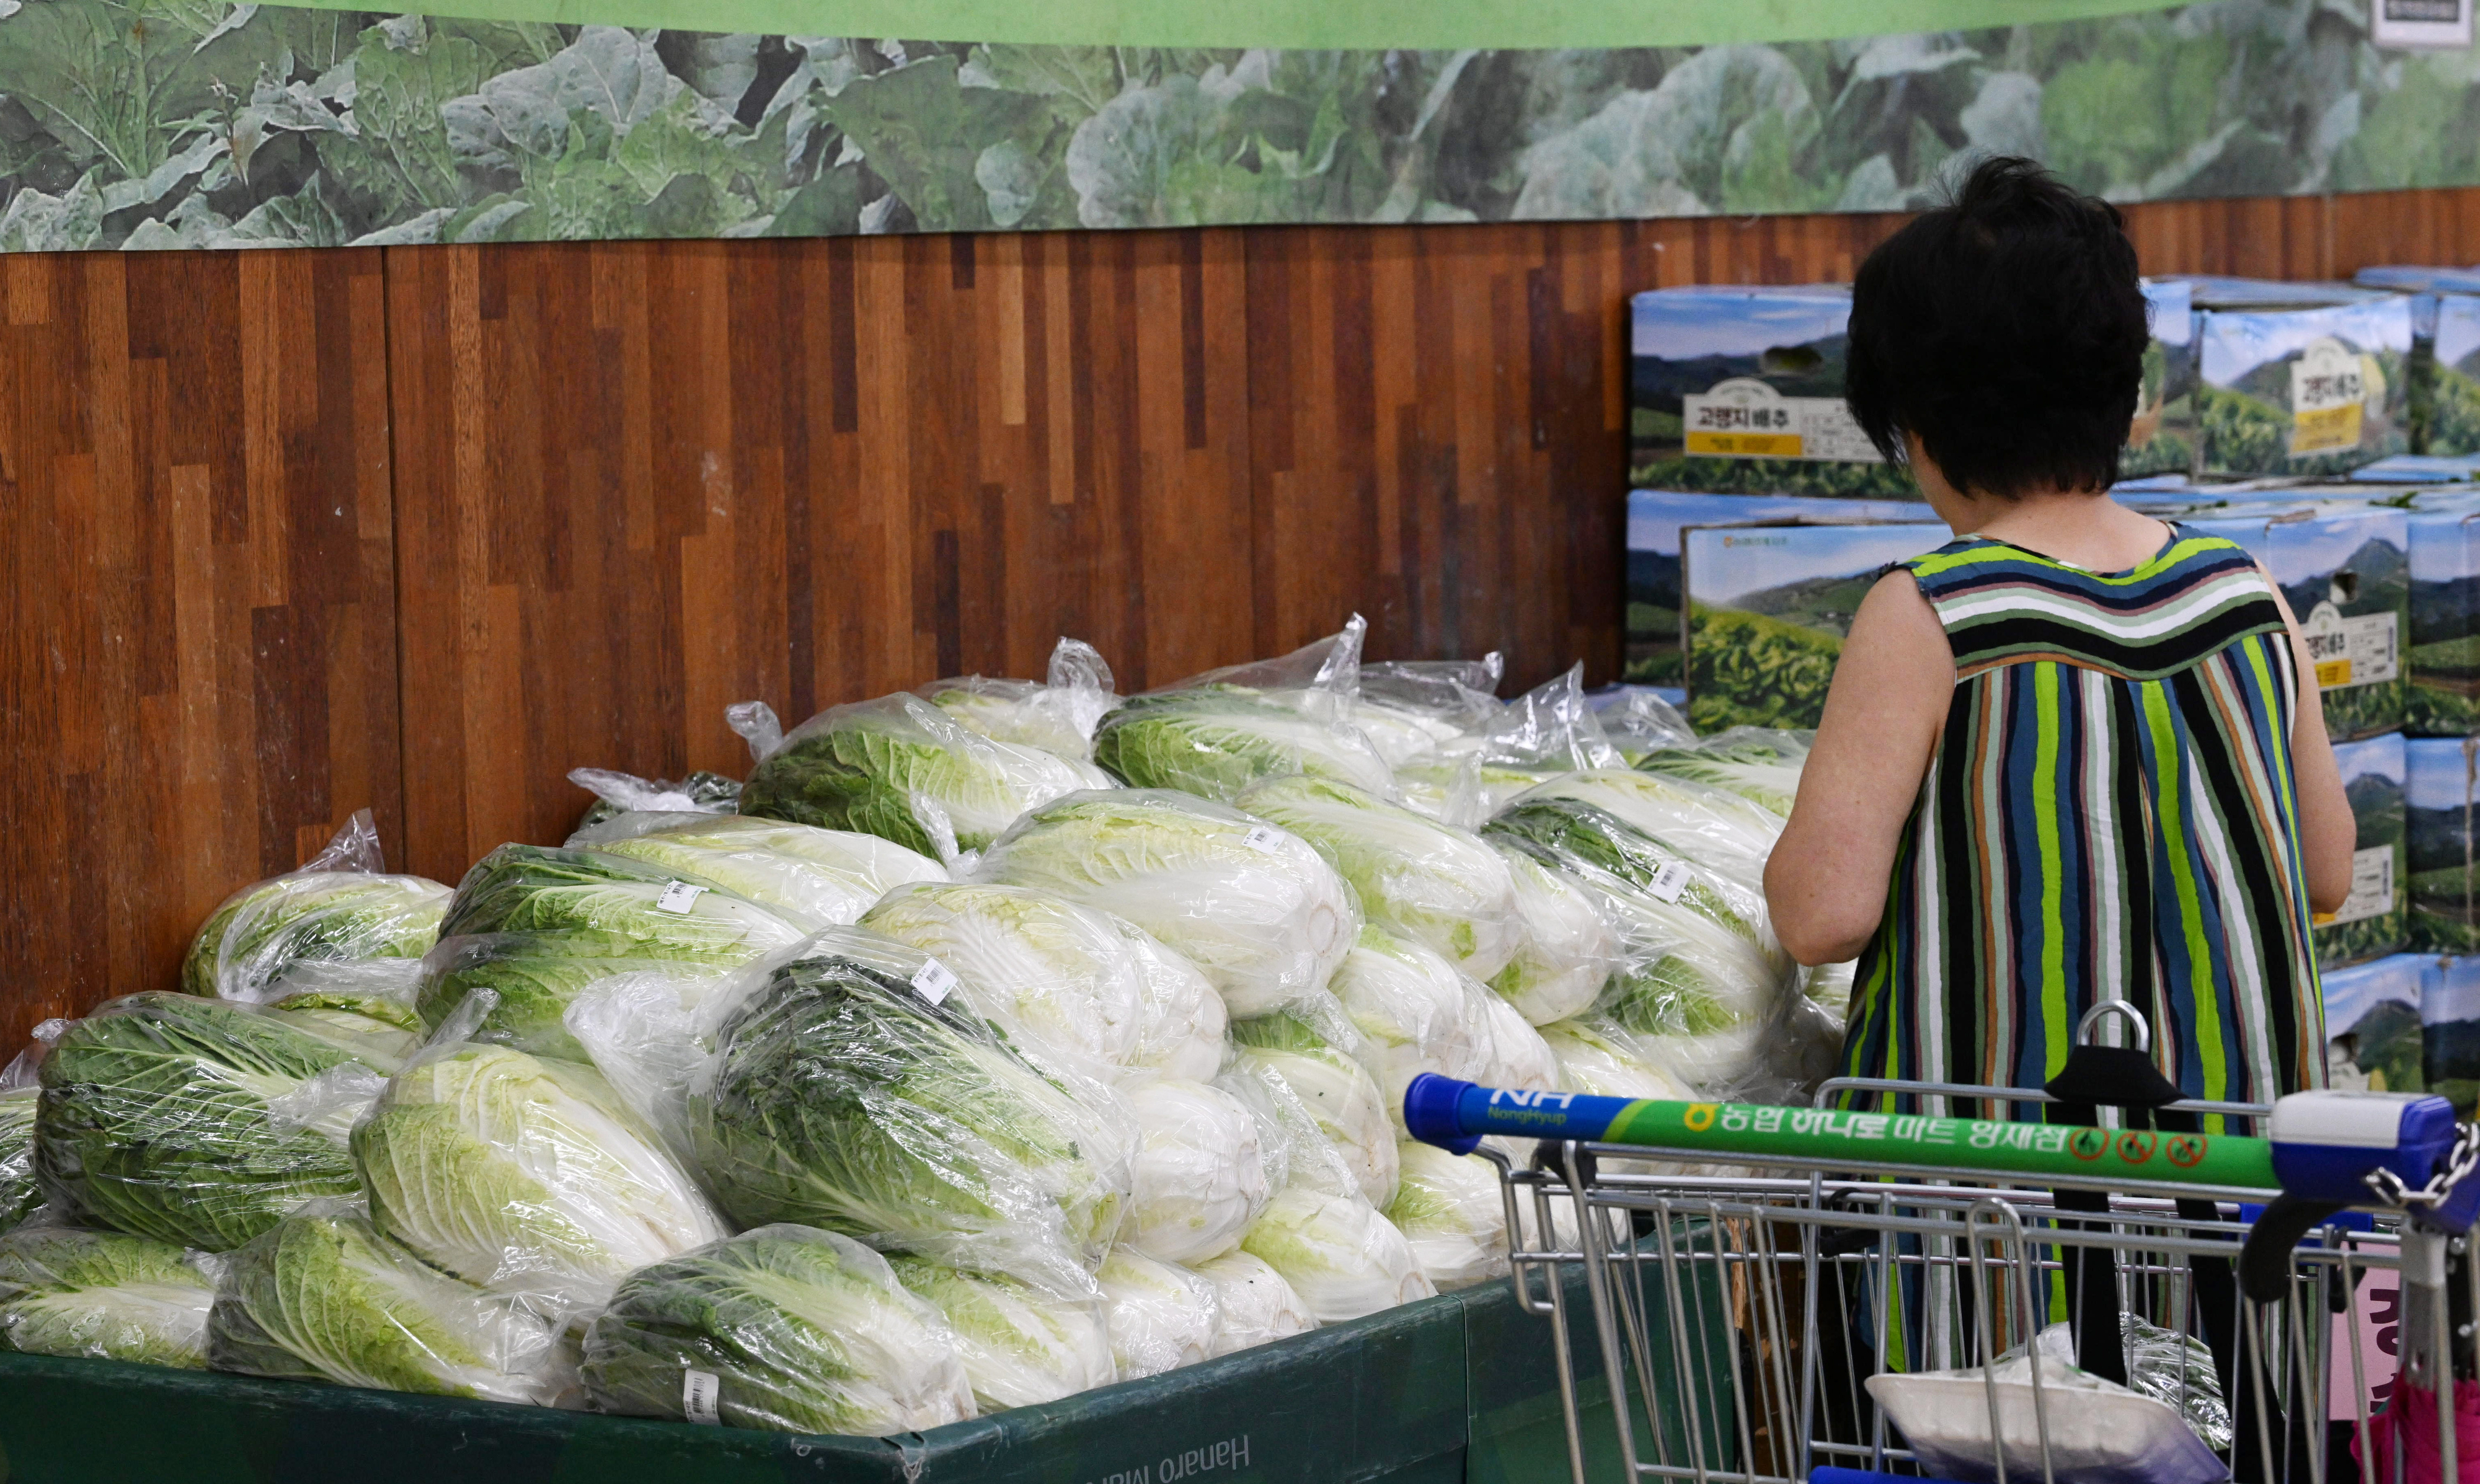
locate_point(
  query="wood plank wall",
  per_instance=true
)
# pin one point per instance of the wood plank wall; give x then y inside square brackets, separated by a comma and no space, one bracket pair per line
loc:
[287,535]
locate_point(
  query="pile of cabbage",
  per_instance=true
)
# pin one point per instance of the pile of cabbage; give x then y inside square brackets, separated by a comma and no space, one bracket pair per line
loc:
[987,1044]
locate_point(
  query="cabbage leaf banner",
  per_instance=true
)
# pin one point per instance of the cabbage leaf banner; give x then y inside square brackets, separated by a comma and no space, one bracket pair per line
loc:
[179,123]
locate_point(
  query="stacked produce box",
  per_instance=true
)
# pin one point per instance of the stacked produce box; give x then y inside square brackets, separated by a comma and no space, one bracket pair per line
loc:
[989,1044]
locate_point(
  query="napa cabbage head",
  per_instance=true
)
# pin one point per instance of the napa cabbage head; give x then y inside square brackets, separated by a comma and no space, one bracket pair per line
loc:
[1453,1215]
[103,1294]
[1057,715]
[1759,764]
[1710,827]
[1420,879]
[323,1297]
[841,1095]
[802,1331]
[1161,1317]
[1253,906]
[902,768]
[1565,950]
[1302,1066]
[1600,1057]
[369,1002]
[1214,741]
[20,1193]
[1044,966]
[524,1176]
[1256,1304]
[1416,1011]
[1341,1256]
[1186,1027]
[197,1122]
[1021,1344]
[809,876]
[1198,1179]
[260,935]
[1518,1056]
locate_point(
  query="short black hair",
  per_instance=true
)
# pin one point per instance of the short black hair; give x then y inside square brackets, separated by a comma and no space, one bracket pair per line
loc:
[2007,330]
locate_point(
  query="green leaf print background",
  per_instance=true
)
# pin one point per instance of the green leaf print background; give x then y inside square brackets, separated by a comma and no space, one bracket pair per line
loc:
[161,123]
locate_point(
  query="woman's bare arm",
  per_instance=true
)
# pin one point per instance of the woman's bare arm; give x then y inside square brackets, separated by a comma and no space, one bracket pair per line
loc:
[2327,832]
[1825,882]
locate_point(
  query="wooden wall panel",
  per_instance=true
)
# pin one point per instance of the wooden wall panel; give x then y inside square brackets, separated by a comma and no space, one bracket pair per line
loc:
[198,639]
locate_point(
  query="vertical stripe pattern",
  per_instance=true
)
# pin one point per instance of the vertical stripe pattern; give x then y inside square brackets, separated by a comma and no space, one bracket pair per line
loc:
[2108,814]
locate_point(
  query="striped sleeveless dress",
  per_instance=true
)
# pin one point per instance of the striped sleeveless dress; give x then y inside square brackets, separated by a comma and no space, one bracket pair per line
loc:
[2110,814]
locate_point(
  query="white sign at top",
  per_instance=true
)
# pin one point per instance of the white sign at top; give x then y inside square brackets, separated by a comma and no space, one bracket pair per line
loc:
[2443,23]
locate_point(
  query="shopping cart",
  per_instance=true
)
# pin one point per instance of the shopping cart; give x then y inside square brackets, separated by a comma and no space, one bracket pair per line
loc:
[1781,1295]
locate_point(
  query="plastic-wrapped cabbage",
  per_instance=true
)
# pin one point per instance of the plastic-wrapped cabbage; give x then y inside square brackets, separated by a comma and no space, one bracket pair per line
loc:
[1599,1058]
[197,1122]
[1186,1027]
[1042,966]
[1021,1344]
[1704,975]
[1296,1059]
[1760,764]
[1253,906]
[1401,732]
[622,793]
[339,908]
[1161,1317]
[811,876]
[1057,717]
[1566,950]
[903,768]
[844,1096]
[102,1295]
[1718,830]
[1197,1180]
[1257,1306]
[1417,1014]
[1637,722]
[536,926]
[1453,1215]
[1339,1255]
[1828,987]
[1214,741]
[324,1297]
[523,1176]
[1518,1056]
[784,1327]
[20,1193]
[1418,879]
[368,1004]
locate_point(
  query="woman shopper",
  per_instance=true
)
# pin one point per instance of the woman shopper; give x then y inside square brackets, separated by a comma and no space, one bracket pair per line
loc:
[2076,754]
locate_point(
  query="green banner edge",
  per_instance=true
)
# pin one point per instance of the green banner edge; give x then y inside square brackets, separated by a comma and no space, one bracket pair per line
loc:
[1428,25]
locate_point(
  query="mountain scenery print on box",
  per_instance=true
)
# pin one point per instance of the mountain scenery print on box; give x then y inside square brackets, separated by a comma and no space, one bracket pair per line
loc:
[2372,1041]
[2344,569]
[2374,920]
[2449,1030]
[2439,796]
[2444,654]
[2162,437]
[2316,389]
[1769,607]
[187,123]
[2452,426]
[1655,520]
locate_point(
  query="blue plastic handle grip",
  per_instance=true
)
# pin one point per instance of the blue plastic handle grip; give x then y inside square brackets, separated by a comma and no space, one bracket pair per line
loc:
[1454,1115]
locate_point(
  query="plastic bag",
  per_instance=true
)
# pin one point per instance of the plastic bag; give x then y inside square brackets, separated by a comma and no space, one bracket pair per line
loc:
[1339,1255]
[1186,1027]
[1314,1062]
[622,793]
[340,905]
[1162,1316]
[855,1090]
[1252,906]
[2099,1432]
[1566,950]
[784,1327]
[1418,879]
[1256,1305]
[1708,827]
[1452,1215]
[1518,1056]
[902,768]
[197,1122]
[524,1176]
[817,878]
[1600,1057]
[20,1091]
[1418,1013]
[2163,1364]
[1637,722]
[1050,969]
[1215,741]
[1198,1179]
[103,1294]
[1408,709]
[1022,1345]
[1549,731]
[1058,717]
[322,1296]
[1760,764]
[368,1003]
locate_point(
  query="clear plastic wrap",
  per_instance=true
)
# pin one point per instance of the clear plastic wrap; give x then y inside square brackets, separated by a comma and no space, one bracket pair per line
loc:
[1416,878]
[1518,1056]
[1215,741]
[1460,695]
[323,1297]
[1760,764]
[524,1176]
[1708,827]
[197,1122]
[1566,949]
[1253,906]
[1187,1029]
[624,793]
[1339,1255]
[1418,1012]
[103,1294]
[1704,979]
[1452,1215]
[1042,966]
[1161,1316]
[1198,1179]
[340,905]
[536,926]
[368,1003]
[786,1328]
[1319,1067]
[20,1091]
[1021,1344]
[1549,731]
[816,877]
[1256,1304]
[1597,1057]
[849,1091]
[1637,722]
[903,768]
[1057,716]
